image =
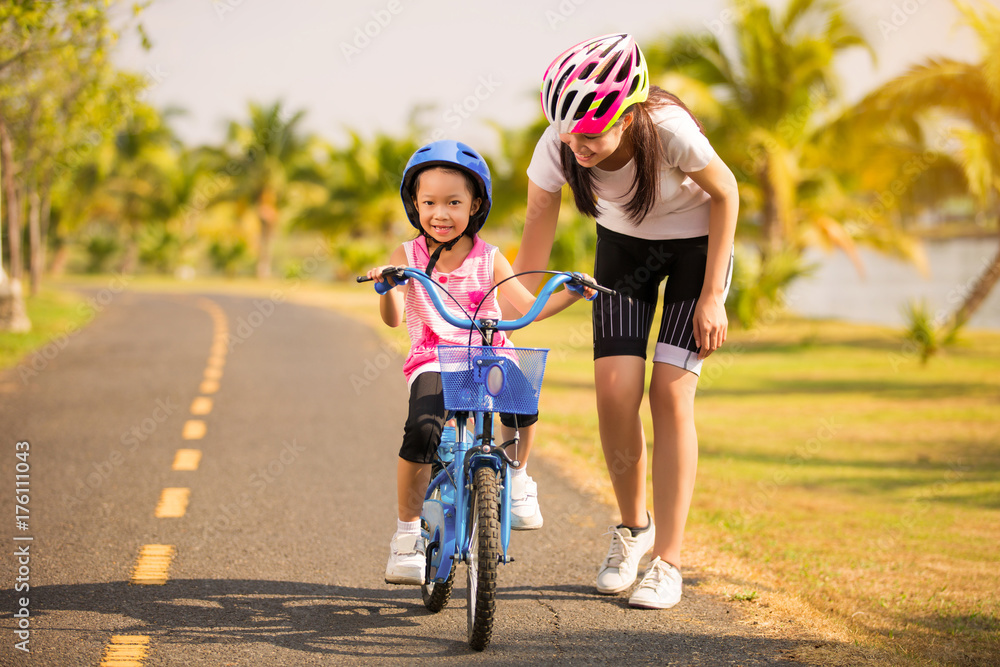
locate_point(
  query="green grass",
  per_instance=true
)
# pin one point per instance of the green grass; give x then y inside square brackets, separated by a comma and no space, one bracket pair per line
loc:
[839,469]
[55,317]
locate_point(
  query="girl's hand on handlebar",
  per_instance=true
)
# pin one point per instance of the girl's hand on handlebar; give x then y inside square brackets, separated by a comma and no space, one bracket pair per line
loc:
[385,274]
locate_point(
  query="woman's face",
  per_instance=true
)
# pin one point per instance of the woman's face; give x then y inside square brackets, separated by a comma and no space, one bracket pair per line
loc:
[591,150]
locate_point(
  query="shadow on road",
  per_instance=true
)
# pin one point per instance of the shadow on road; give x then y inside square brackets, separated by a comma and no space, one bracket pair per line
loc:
[362,622]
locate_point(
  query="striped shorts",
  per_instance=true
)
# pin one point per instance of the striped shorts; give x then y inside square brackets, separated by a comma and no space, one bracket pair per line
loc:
[635,268]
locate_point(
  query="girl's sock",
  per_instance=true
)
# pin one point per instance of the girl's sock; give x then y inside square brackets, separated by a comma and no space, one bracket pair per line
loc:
[407,527]
[518,472]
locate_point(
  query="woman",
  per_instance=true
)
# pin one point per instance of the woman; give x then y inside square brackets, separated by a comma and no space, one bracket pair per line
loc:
[665,205]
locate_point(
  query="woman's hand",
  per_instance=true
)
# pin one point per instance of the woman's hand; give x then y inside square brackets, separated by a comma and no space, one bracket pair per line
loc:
[579,289]
[711,325]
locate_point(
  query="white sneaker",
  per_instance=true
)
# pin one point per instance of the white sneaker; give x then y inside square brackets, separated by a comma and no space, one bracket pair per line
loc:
[406,560]
[659,589]
[620,566]
[524,511]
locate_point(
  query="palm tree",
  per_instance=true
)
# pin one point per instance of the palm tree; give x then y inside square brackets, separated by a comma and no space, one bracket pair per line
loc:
[764,99]
[361,199]
[136,190]
[970,94]
[268,157]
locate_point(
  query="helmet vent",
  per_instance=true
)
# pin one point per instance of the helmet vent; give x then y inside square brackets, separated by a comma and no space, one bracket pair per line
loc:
[634,86]
[568,104]
[622,73]
[585,73]
[584,106]
[606,104]
[606,72]
[612,46]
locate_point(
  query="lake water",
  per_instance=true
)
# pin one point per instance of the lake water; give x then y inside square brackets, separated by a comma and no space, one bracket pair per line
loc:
[836,290]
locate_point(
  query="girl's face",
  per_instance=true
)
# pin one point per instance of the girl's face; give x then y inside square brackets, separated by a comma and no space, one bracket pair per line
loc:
[592,149]
[444,203]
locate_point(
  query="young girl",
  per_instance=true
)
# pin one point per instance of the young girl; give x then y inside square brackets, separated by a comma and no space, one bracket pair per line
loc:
[666,206]
[446,193]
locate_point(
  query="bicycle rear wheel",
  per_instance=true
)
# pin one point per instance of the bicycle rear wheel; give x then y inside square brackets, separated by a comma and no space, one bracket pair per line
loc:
[484,557]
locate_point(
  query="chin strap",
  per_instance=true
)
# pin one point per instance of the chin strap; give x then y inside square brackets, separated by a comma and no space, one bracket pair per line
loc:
[437,253]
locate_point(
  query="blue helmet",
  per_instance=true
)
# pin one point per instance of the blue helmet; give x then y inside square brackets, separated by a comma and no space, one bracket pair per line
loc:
[454,155]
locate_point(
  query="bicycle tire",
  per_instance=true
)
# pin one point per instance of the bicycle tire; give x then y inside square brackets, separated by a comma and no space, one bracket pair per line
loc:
[484,557]
[436,594]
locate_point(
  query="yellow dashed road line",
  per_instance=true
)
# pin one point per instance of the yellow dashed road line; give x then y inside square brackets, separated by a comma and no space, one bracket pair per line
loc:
[209,386]
[173,503]
[152,565]
[194,429]
[186,459]
[201,406]
[125,651]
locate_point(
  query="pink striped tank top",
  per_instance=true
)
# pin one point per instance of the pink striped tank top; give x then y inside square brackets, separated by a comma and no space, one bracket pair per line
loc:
[470,284]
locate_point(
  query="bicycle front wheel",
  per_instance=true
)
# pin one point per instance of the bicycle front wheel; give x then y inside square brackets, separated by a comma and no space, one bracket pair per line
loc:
[484,557]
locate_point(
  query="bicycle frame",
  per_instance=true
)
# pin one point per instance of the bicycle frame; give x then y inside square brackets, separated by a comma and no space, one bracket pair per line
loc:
[461,484]
[451,539]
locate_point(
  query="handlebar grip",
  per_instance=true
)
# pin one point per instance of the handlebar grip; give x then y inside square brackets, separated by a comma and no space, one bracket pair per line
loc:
[397,278]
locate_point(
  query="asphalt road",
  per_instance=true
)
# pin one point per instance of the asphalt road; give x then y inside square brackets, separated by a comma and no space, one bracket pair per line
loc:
[279,555]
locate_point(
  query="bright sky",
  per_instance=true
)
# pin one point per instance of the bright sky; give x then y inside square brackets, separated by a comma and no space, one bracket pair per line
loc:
[364,64]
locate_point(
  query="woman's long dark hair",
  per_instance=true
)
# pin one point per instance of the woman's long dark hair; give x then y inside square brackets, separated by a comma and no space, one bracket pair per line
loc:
[647,151]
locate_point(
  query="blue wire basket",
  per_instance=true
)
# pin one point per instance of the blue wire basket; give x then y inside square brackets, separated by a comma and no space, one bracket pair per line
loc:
[492,379]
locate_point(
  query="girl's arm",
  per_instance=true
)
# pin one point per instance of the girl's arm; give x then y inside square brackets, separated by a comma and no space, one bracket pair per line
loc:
[710,321]
[519,296]
[390,305]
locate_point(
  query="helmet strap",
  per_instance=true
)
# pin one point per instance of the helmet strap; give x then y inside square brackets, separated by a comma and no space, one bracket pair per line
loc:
[437,252]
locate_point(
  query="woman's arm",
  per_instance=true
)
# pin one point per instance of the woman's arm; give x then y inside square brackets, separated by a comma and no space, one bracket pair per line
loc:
[519,296]
[539,233]
[390,305]
[710,321]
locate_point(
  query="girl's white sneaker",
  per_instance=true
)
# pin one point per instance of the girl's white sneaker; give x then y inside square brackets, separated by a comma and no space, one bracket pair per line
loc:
[406,560]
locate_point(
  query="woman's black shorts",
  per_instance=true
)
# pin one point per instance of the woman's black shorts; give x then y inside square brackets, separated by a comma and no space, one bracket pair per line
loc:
[635,268]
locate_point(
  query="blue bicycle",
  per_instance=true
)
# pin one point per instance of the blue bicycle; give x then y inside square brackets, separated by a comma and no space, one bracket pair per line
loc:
[466,512]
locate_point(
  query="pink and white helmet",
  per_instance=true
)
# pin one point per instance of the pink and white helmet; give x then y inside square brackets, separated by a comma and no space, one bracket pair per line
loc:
[588,87]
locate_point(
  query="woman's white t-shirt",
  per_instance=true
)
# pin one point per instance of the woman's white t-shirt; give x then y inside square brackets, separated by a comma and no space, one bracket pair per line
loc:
[682,208]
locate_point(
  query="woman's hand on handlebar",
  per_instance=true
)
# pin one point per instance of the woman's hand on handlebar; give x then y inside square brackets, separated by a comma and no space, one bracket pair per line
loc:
[583,285]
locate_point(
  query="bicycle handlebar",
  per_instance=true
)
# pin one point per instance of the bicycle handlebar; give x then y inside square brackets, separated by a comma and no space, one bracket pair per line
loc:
[400,274]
